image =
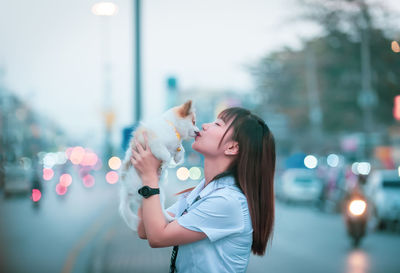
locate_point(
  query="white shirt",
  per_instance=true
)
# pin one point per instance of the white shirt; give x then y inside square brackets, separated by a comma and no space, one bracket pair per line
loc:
[223,215]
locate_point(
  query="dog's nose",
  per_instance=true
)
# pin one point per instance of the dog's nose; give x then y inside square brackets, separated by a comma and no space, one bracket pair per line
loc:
[196,131]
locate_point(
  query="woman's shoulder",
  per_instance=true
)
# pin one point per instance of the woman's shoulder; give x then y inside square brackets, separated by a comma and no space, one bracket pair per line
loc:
[228,184]
[230,193]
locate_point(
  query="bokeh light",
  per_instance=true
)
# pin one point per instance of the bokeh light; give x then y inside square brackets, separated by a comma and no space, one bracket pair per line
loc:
[357,262]
[364,168]
[357,207]
[61,158]
[77,155]
[83,171]
[89,159]
[88,181]
[65,180]
[182,173]
[354,167]
[112,177]
[41,156]
[104,9]
[36,195]
[333,160]
[49,160]
[195,173]
[48,174]
[114,163]
[395,47]
[61,190]
[310,161]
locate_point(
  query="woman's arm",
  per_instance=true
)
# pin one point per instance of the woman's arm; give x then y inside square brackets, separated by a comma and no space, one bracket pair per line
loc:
[158,231]
[140,230]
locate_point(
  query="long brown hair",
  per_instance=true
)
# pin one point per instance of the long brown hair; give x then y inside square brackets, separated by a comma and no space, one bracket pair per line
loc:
[254,169]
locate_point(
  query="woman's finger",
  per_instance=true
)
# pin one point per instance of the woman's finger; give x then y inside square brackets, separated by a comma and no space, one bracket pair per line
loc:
[135,155]
[146,141]
[139,147]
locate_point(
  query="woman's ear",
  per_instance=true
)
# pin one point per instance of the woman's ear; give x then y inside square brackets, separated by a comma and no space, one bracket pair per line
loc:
[232,148]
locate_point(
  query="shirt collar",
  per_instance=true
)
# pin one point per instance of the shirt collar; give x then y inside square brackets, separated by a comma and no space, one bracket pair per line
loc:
[211,187]
[195,192]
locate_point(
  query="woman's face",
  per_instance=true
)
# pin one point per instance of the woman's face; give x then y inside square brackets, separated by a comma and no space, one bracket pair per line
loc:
[207,142]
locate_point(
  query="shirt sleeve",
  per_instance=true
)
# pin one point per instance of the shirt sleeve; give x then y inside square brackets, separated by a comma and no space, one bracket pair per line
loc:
[216,216]
[174,208]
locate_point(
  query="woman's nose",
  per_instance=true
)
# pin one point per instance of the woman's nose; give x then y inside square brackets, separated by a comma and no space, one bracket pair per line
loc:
[204,126]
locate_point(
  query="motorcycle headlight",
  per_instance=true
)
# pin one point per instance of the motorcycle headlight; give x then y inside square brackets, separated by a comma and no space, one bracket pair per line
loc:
[357,207]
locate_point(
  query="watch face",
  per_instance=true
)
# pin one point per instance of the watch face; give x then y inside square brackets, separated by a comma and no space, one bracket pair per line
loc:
[145,191]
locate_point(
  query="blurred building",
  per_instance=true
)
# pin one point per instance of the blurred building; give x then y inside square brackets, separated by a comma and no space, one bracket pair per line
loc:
[24,133]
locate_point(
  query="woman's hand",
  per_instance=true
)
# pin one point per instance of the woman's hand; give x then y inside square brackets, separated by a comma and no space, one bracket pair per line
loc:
[145,163]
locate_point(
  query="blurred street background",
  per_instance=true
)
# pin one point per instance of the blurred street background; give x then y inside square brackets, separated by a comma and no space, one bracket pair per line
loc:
[76,77]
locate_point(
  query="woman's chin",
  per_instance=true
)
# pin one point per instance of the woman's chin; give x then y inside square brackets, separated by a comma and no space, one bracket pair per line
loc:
[195,146]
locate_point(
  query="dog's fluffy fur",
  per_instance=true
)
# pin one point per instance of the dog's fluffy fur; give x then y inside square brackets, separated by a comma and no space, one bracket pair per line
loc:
[165,135]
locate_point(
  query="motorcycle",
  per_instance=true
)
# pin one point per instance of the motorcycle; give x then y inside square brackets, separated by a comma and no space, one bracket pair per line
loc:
[356,217]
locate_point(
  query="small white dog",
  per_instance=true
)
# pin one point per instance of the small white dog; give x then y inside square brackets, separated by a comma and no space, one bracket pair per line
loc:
[165,135]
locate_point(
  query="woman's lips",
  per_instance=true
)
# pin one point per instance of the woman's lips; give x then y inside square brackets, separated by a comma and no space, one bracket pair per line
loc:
[197,135]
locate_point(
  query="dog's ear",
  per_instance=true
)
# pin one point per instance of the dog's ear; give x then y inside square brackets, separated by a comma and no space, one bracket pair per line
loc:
[184,109]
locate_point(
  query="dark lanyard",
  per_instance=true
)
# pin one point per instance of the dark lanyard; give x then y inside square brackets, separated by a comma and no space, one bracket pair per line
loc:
[175,249]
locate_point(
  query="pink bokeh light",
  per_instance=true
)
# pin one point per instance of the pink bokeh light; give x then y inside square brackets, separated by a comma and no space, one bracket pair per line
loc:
[83,171]
[77,155]
[61,190]
[48,174]
[112,177]
[65,180]
[88,181]
[36,195]
[89,159]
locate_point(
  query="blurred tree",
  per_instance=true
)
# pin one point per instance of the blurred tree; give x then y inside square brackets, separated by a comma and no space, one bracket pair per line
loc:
[283,77]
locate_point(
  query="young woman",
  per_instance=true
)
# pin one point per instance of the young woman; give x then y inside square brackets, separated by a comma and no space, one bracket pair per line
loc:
[231,212]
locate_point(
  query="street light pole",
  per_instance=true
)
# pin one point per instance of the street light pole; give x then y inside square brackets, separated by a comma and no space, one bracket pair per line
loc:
[315,111]
[367,98]
[137,61]
[136,65]
[105,10]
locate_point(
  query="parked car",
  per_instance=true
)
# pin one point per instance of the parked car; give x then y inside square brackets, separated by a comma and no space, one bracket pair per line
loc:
[383,191]
[299,185]
[17,179]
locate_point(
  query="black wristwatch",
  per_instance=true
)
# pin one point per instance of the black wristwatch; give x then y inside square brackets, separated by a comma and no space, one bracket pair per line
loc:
[146,191]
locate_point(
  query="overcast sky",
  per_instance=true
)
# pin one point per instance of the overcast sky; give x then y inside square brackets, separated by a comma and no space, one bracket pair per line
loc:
[52,52]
